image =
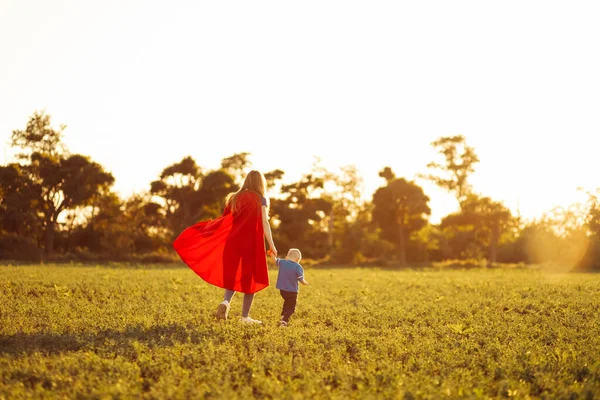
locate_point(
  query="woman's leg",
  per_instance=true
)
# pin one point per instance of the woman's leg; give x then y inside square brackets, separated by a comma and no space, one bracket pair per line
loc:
[248,299]
[228,295]
[223,308]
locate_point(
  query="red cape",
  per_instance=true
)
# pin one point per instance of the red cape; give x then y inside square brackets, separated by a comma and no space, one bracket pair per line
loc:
[229,251]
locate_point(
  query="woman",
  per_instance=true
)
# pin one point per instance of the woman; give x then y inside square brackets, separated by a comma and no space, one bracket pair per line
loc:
[229,251]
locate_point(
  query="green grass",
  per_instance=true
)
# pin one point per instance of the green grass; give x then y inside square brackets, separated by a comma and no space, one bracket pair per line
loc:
[100,332]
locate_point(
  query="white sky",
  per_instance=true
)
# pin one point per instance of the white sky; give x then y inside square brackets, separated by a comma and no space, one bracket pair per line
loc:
[141,84]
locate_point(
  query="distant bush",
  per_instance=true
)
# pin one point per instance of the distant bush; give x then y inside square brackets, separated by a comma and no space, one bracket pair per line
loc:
[591,259]
[474,263]
[14,247]
[156,258]
[82,255]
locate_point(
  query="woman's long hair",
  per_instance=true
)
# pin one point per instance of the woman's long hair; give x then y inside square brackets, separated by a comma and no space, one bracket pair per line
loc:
[255,182]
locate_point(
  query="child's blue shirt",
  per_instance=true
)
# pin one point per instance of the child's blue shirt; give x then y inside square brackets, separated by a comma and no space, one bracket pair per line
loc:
[290,272]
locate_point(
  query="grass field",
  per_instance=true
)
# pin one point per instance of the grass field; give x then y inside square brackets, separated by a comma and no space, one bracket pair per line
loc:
[125,332]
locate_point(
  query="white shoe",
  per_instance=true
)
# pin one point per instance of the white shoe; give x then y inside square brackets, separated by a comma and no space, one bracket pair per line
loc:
[248,320]
[223,310]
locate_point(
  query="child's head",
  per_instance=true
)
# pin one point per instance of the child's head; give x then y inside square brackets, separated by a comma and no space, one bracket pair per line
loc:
[294,255]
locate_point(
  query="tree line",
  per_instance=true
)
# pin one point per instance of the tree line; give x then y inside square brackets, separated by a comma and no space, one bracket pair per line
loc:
[57,205]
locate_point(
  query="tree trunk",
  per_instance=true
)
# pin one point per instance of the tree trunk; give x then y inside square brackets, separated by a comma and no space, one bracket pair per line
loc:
[70,228]
[330,228]
[401,246]
[494,243]
[49,237]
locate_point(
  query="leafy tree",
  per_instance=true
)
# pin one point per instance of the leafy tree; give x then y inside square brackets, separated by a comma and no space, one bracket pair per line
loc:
[19,197]
[189,195]
[301,217]
[458,164]
[65,181]
[344,230]
[539,243]
[273,178]
[475,231]
[237,165]
[39,137]
[591,259]
[387,174]
[215,187]
[119,228]
[593,214]
[400,208]
[178,187]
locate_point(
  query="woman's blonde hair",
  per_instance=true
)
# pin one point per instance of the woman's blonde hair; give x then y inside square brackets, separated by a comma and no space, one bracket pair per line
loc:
[255,182]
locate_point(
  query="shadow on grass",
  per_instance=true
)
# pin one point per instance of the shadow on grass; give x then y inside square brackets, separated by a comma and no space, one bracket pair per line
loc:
[114,341]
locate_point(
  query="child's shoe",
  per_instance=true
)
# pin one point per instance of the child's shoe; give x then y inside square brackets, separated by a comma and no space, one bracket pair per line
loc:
[283,323]
[223,310]
[248,320]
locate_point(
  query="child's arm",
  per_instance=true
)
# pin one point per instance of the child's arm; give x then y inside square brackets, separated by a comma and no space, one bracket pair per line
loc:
[300,274]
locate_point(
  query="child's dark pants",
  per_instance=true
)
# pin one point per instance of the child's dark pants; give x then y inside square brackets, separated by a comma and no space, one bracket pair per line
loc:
[289,304]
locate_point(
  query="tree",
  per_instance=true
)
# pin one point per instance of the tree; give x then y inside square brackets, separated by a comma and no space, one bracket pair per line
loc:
[342,229]
[19,196]
[457,165]
[591,259]
[237,165]
[400,208]
[107,230]
[65,181]
[539,243]
[188,195]
[118,228]
[593,213]
[387,174]
[494,219]
[560,238]
[301,217]
[475,231]
[215,187]
[39,137]
[272,178]
[178,187]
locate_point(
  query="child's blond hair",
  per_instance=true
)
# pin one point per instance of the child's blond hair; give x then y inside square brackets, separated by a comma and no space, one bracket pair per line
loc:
[294,255]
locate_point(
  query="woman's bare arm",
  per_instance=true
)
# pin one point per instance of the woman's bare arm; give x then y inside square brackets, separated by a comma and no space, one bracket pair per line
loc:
[267,230]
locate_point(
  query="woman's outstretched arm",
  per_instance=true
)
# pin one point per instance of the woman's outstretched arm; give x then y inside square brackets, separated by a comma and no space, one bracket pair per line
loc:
[267,230]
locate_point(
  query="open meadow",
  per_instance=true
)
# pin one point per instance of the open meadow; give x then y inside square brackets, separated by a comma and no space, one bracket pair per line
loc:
[115,331]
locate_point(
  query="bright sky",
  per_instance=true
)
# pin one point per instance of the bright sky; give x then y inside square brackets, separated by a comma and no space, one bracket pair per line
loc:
[141,84]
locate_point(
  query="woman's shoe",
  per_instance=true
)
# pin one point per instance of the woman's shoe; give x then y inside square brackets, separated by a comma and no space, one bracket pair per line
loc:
[223,310]
[248,320]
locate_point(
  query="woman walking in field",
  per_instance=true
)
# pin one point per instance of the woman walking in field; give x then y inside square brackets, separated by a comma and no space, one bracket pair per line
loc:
[229,251]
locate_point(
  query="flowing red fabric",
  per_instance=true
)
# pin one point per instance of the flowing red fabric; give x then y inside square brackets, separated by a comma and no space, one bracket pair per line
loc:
[228,251]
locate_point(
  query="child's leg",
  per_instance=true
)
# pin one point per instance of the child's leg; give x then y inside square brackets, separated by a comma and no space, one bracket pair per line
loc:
[248,299]
[289,304]
[281,292]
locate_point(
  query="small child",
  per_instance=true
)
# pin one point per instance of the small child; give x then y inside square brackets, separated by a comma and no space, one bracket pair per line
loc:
[290,273]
